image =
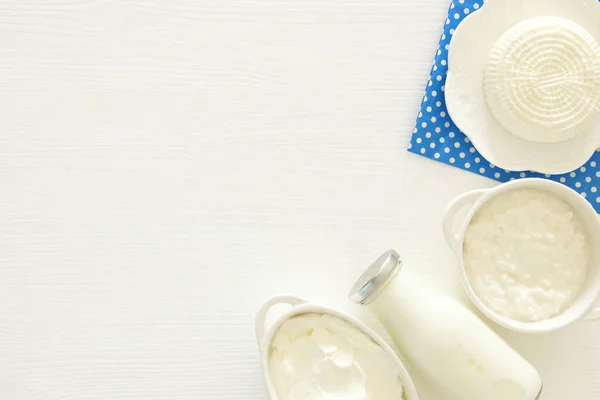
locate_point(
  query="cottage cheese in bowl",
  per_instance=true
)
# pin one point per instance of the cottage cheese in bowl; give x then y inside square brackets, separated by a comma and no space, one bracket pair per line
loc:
[526,255]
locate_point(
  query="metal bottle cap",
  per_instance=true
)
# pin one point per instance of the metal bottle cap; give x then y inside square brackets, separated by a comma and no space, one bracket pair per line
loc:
[375,278]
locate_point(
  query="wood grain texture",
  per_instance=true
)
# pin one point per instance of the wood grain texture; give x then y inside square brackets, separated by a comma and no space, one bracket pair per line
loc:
[167,165]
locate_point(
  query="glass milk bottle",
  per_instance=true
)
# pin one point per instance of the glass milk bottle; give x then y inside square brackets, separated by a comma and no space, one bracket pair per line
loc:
[443,338]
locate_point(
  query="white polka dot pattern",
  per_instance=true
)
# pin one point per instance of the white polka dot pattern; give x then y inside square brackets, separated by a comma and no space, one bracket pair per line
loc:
[436,137]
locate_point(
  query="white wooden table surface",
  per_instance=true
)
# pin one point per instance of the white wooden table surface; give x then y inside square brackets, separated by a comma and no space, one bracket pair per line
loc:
[167,165]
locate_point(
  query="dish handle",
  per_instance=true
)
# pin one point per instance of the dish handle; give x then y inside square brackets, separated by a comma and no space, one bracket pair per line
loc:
[449,221]
[261,316]
[594,314]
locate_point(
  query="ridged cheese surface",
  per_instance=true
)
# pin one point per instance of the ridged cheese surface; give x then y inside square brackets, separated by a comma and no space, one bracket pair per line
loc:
[542,79]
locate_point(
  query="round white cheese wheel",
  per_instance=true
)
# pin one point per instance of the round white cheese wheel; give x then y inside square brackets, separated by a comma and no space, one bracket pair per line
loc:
[542,79]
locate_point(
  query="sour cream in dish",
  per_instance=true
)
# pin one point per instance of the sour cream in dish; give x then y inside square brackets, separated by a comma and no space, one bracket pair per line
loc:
[322,357]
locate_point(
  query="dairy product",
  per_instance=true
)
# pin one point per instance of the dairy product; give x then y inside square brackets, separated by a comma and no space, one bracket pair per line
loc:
[544,102]
[457,351]
[526,255]
[320,357]
[542,79]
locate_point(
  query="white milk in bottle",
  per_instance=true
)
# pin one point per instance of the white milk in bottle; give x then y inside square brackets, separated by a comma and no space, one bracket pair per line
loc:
[443,338]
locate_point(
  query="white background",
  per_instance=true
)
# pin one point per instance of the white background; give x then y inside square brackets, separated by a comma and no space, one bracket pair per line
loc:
[167,165]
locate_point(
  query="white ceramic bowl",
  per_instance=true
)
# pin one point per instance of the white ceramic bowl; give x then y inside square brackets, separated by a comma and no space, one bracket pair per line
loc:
[585,305]
[264,336]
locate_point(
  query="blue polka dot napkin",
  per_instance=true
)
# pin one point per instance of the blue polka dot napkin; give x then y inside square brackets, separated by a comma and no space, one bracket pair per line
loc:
[436,137]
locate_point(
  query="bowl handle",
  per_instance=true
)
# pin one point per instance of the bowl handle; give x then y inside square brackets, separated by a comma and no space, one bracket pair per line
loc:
[459,202]
[593,315]
[261,316]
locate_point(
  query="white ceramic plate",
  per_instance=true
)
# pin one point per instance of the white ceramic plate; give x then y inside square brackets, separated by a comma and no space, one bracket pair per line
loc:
[466,100]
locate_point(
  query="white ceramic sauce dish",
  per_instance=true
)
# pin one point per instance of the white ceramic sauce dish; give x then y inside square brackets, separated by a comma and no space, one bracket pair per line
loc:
[266,334]
[585,306]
